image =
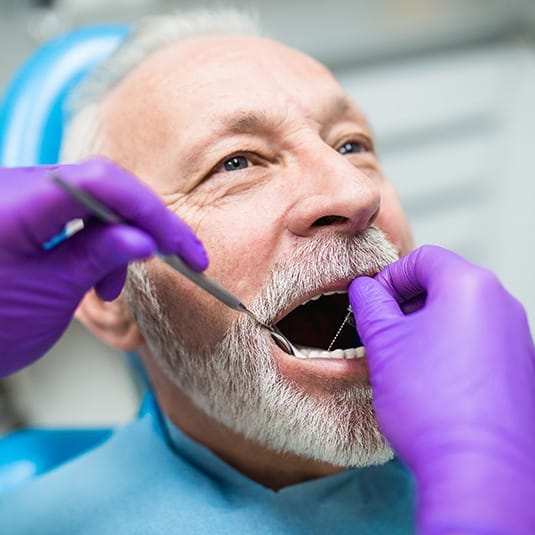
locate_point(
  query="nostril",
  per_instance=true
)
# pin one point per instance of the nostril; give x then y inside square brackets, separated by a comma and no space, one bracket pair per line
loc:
[329,220]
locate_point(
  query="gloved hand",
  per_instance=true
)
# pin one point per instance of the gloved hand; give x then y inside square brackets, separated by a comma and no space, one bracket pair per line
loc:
[40,289]
[454,390]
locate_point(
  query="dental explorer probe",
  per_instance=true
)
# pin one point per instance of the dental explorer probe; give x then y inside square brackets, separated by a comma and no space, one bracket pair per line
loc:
[106,215]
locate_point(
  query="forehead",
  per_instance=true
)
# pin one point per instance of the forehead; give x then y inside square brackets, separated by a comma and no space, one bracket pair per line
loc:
[216,75]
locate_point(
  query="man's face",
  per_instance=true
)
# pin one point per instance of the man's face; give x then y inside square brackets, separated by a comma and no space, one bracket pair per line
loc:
[257,147]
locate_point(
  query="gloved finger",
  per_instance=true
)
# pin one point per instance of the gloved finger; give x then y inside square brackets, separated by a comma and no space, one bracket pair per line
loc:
[99,251]
[373,306]
[109,287]
[15,178]
[30,216]
[428,269]
[139,206]
[44,207]
[413,304]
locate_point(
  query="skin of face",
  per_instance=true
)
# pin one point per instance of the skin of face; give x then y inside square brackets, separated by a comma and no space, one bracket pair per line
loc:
[176,122]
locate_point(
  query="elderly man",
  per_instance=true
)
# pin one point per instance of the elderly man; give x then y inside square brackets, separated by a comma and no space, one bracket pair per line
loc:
[258,149]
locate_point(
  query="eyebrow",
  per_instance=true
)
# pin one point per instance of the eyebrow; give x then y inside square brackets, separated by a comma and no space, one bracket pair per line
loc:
[250,122]
[338,107]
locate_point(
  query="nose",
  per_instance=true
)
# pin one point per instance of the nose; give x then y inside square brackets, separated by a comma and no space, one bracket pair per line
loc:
[332,195]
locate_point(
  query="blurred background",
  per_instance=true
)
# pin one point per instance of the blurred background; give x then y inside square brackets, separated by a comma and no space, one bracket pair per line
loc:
[448,86]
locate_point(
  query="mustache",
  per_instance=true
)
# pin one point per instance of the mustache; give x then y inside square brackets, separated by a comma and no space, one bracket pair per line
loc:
[320,261]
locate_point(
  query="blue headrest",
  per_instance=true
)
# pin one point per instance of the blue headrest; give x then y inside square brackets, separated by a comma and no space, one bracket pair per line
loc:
[32,110]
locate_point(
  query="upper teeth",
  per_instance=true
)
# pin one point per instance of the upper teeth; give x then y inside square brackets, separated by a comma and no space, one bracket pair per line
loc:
[313,353]
[315,298]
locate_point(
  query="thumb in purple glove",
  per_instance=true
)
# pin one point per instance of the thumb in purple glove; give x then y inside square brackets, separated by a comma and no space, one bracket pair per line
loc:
[453,381]
[41,289]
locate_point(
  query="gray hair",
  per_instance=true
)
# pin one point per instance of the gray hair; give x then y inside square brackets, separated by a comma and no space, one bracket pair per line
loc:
[82,137]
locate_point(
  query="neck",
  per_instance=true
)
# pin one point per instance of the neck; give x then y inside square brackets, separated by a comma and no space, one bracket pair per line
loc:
[269,468]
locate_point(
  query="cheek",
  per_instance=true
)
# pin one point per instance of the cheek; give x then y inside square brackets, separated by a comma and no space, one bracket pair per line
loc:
[194,316]
[393,222]
[240,241]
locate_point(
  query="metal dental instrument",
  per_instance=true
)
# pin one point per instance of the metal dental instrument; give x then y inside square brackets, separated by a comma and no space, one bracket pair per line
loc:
[347,320]
[106,215]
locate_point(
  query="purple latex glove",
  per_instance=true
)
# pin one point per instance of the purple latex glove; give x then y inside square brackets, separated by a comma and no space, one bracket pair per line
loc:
[40,289]
[454,389]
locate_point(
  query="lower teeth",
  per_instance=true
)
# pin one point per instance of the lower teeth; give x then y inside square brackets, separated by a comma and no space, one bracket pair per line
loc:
[312,353]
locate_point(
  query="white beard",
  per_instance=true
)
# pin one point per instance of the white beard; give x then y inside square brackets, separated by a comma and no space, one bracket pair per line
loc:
[237,382]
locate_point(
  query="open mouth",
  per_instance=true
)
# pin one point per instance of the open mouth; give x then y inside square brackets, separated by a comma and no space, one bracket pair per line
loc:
[317,329]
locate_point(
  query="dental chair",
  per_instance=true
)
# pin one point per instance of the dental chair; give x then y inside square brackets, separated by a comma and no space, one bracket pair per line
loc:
[31,126]
[32,111]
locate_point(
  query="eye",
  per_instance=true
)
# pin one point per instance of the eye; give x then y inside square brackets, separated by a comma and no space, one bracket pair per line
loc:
[235,163]
[351,147]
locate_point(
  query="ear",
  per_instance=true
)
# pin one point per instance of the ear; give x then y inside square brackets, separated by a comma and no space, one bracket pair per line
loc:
[111,321]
